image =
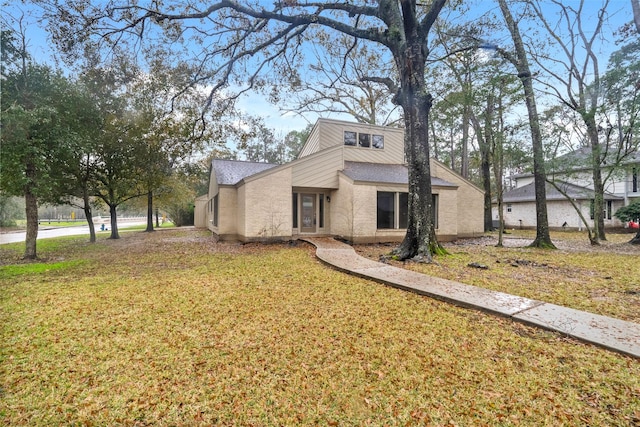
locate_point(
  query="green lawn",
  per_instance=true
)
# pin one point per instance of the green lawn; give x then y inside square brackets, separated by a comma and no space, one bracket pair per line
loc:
[172,328]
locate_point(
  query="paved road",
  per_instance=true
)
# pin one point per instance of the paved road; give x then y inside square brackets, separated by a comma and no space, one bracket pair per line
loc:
[46,232]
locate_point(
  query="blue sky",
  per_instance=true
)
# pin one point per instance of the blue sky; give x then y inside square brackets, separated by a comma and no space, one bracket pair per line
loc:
[620,12]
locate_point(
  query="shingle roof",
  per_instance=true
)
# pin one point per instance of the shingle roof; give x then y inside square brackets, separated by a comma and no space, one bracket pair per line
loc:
[581,159]
[231,172]
[527,193]
[384,173]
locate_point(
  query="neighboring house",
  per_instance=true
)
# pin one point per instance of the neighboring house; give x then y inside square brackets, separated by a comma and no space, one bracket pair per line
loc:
[349,180]
[576,181]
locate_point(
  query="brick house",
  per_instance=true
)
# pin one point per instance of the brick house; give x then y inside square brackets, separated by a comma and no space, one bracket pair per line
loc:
[349,181]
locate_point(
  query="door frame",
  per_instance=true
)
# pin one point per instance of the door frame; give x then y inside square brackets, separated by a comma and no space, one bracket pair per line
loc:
[311,219]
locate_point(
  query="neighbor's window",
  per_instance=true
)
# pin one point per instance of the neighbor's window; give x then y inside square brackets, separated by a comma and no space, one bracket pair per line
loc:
[508,207]
[606,211]
[634,180]
[350,138]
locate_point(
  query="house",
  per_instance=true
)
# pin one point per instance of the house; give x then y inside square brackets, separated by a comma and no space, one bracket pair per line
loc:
[575,180]
[349,181]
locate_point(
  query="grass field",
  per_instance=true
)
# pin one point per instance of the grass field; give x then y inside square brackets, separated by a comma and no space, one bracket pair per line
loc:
[172,328]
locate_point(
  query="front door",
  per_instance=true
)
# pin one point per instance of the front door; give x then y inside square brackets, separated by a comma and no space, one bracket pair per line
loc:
[308,213]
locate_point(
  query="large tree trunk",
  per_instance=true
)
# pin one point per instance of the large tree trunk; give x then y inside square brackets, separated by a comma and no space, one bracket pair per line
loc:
[543,238]
[89,215]
[114,222]
[149,211]
[484,143]
[31,211]
[420,241]
[598,185]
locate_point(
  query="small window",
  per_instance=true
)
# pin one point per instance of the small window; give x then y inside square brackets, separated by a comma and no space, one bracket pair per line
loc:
[508,207]
[215,210]
[377,141]
[609,209]
[364,140]
[295,210]
[403,210]
[321,210]
[386,202]
[434,209]
[350,138]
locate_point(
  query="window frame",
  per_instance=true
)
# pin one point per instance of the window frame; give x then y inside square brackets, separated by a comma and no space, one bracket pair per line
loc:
[369,141]
[400,221]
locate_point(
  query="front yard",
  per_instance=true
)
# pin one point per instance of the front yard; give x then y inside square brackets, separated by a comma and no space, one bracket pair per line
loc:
[172,328]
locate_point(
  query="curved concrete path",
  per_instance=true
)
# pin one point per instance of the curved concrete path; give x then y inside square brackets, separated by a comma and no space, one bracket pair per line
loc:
[614,334]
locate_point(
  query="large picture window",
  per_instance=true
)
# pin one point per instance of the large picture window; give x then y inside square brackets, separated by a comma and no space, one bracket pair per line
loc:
[393,210]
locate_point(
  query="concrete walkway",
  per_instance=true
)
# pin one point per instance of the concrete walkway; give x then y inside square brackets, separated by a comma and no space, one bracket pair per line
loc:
[614,334]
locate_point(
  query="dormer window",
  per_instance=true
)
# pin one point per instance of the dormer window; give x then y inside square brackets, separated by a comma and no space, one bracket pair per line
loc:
[378,141]
[350,138]
[363,140]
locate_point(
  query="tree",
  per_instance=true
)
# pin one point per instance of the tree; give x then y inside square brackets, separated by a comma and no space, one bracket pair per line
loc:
[294,141]
[520,61]
[635,5]
[630,212]
[337,82]
[233,35]
[579,57]
[36,129]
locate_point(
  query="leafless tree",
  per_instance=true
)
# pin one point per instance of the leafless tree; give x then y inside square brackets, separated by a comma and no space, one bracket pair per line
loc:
[236,42]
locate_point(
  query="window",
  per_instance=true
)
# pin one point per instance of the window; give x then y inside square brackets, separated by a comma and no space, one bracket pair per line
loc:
[378,141]
[508,207]
[363,140]
[403,210]
[321,210]
[391,203]
[607,209]
[386,205]
[634,180]
[295,210]
[215,211]
[434,207]
[350,138]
